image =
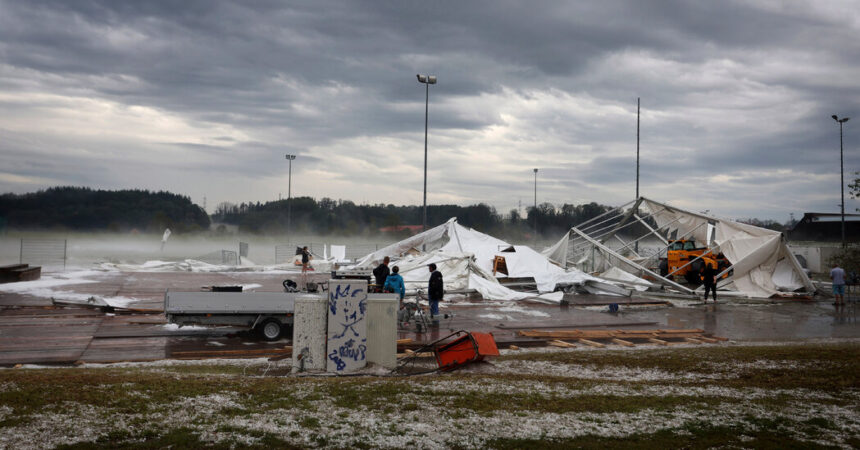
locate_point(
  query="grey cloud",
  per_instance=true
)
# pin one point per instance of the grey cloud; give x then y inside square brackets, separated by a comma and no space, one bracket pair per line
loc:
[321,75]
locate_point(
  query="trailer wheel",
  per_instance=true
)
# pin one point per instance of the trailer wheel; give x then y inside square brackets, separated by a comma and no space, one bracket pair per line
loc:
[271,329]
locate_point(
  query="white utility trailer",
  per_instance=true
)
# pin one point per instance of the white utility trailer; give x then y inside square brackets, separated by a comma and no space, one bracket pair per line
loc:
[269,313]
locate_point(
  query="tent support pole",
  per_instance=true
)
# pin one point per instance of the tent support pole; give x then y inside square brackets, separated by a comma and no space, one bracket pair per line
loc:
[644,269]
[624,220]
[681,237]
[649,233]
[607,234]
[653,230]
[607,212]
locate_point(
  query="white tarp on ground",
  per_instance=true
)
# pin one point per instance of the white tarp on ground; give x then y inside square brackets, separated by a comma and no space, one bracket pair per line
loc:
[449,242]
[628,279]
[762,263]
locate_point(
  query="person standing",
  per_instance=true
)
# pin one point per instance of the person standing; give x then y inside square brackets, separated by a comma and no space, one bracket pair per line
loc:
[709,278]
[394,283]
[837,274]
[381,272]
[435,291]
[306,261]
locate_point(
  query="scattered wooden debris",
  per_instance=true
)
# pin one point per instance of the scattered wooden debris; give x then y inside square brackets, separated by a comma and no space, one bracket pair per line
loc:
[242,353]
[562,344]
[513,347]
[658,341]
[623,337]
[412,354]
[592,343]
[623,342]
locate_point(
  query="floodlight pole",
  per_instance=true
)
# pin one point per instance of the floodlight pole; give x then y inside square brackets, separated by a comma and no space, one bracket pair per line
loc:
[536,210]
[636,249]
[841,173]
[290,158]
[427,80]
[637,147]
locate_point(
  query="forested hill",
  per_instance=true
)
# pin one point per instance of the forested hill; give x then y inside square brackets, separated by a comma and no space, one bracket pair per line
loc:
[84,209]
[343,217]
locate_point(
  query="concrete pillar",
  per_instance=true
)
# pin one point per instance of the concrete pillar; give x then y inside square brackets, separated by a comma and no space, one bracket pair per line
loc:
[309,333]
[382,329]
[347,326]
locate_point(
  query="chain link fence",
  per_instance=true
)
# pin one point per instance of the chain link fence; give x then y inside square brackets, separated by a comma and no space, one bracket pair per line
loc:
[220,257]
[44,252]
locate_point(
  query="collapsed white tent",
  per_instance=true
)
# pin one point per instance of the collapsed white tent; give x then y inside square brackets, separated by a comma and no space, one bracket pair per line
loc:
[465,258]
[761,263]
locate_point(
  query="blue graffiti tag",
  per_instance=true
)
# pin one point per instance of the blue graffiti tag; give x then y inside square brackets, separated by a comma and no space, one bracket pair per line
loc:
[338,362]
[336,294]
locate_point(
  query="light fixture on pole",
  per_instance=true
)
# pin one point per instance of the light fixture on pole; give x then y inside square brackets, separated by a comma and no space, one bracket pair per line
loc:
[427,80]
[536,210]
[841,173]
[290,158]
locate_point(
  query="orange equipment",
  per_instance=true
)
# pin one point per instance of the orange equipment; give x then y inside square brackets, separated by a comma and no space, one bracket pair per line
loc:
[468,348]
[682,251]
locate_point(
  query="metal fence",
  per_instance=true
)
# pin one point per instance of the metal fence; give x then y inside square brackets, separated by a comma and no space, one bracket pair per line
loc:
[44,252]
[220,257]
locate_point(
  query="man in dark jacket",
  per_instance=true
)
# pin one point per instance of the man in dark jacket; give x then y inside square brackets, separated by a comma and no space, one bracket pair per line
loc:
[435,291]
[381,272]
[709,278]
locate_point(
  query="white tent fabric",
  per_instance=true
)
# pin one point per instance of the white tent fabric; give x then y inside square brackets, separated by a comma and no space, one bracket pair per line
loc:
[453,245]
[762,263]
[616,274]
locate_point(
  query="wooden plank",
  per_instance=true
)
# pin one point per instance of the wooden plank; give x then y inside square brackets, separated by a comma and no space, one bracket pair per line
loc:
[561,344]
[404,341]
[694,330]
[255,351]
[707,339]
[592,343]
[416,355]
[693,340]
[513,347]
[658,341]
[623,342]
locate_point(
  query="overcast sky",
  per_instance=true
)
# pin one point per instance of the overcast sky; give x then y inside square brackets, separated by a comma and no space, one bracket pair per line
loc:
[204,98]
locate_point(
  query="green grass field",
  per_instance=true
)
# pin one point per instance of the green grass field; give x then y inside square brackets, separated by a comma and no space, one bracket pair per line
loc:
[727,396]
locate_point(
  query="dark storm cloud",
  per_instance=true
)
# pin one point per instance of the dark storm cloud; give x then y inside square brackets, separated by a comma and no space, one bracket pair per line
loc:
[224,89]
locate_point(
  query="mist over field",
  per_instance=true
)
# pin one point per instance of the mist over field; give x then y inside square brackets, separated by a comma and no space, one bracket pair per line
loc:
[86,249]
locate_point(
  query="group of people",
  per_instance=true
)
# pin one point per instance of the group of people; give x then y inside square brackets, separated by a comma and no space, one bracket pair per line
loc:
[391,281]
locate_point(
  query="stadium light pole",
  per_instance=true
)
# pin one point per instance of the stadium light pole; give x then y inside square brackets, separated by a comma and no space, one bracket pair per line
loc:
[536,210]
[290,158]
[841,173]
[426,80]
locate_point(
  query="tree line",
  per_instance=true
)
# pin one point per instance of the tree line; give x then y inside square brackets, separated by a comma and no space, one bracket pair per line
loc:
[344,217]
[78,208]
[85,209]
